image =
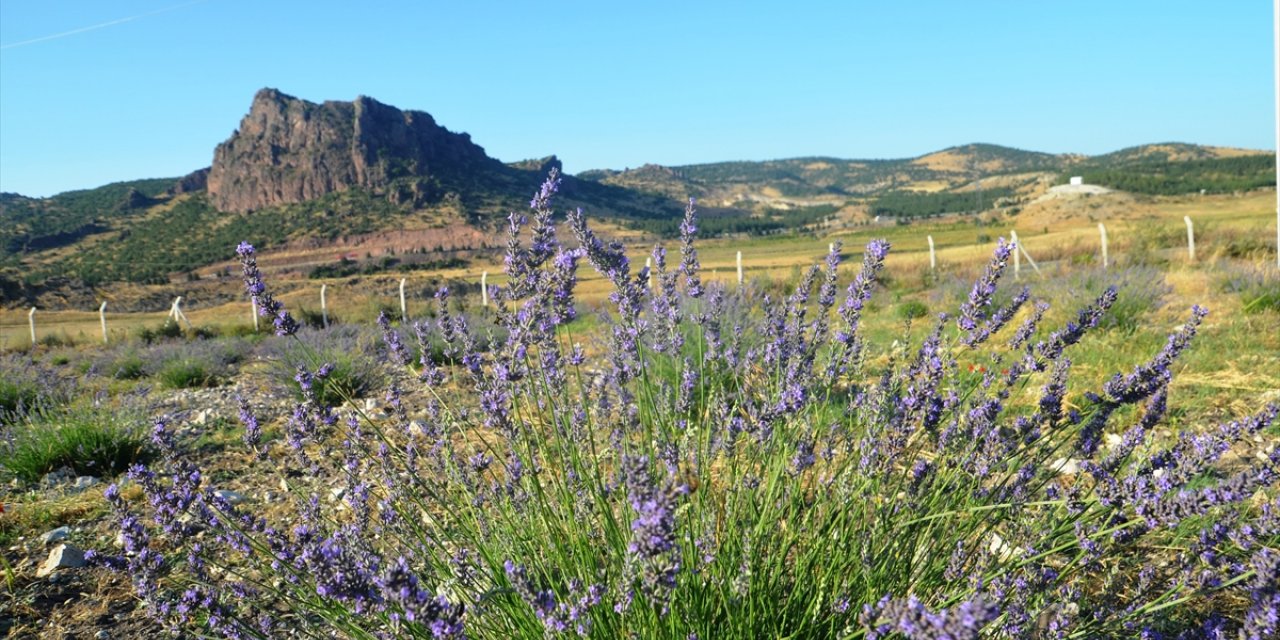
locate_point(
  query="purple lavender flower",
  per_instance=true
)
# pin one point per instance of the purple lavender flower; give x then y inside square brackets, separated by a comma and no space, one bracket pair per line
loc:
[1028,327]
[268,306]
[395,347]
[688,253]
[972,311]
[996,321]
[1087,319]
[252,430]
[1147,378]
[911,618]
[856,297]
[653,530]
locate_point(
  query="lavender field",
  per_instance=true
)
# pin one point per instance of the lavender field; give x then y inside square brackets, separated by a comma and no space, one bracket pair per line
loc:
[686,458]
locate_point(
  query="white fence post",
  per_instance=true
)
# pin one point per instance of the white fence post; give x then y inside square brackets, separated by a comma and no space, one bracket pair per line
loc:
[31,320]
[1191,238]
[1017,261]
[648,271]
[739,268]
[933,257]
[102,315]
[1106,262]
[324,307]
[484,288]
[176,313]
[404,310]
[1030,259]
[253,309]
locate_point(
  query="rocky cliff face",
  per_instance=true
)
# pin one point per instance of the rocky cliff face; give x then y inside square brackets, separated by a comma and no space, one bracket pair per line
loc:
[291,150]
[197,180]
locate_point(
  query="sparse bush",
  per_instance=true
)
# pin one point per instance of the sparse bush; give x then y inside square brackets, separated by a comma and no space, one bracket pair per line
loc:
[17,394]
[349,349]
[91,440]
[1258,288]
[127,365]
[187,374]
[26,384]
[169,330]
[1142,290]
[313,318]
[912,309]
[198,363]
[55,340]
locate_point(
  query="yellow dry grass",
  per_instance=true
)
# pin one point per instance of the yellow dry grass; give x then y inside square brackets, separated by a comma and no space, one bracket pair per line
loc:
[1051,231]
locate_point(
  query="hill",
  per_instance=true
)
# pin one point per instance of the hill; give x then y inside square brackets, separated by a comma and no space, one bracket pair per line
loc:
[341,178]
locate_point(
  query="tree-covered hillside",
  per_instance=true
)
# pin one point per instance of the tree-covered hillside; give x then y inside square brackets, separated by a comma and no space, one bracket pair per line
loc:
[28,224]
[1157,175]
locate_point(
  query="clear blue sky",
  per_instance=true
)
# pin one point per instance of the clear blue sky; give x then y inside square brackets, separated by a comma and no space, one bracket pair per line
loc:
[620,84]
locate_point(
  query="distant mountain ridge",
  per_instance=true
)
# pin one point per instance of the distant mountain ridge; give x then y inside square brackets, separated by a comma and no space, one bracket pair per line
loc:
[319,174]
[949,168]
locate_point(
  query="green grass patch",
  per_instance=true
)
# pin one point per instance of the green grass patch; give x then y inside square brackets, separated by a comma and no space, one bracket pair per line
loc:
[97,441]
[187,374]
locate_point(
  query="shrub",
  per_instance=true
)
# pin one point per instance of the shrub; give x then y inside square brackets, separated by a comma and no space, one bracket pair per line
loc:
[17,394]
[708,474]
[169,329]
[912,309]
[349,349]
[126,366]
[1258,288]
[313,318]
[1142,290]
[26,384]
[55,340]
[198,363]
[91,440]
[187,374]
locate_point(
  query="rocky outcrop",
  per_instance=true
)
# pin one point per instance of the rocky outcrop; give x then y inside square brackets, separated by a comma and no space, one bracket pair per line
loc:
[195,181]
[291,150]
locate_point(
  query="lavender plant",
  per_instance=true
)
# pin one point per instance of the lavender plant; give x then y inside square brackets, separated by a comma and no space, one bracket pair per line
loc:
[723,465]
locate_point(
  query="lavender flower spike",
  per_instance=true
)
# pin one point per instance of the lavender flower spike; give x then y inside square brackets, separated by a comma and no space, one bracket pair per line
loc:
[688,254]
[972,310]
[1147,378]
[268,307]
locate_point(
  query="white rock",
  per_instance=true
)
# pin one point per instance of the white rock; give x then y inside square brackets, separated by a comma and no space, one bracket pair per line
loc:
[1065,466]
[63,556]
[230,496]
[1001,549]
[56,535]
[418,427]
